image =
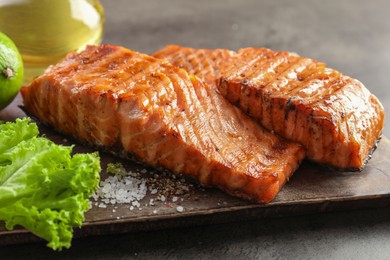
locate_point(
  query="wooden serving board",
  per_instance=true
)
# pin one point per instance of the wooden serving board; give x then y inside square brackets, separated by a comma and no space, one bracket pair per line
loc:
[312,188]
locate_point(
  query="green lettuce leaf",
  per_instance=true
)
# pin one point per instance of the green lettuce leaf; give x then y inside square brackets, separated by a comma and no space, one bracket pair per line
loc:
[42,186]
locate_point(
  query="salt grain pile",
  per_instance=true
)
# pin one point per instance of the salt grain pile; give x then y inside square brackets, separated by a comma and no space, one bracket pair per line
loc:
[120,189]
[131,187]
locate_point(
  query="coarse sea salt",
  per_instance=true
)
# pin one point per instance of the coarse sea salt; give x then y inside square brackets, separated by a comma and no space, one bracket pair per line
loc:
[121,189]
[131,187]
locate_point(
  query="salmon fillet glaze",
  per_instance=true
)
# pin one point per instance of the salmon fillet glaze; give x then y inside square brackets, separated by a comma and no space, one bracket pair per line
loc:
[333,116]
[112,97]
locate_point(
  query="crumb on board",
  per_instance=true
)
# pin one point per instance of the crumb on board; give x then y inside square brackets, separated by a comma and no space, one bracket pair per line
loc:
[179,208]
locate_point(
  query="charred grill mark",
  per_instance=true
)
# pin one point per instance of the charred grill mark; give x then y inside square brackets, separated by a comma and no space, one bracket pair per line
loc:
[290,106]
[281,72]
[303,75]
[280,146]
[272,114]
[264,69]
[260,57]
[258,93]
[183,62]
[204,65]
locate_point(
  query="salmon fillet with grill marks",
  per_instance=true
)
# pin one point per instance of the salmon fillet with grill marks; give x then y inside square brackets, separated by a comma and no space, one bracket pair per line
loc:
[113,97]
[334,116]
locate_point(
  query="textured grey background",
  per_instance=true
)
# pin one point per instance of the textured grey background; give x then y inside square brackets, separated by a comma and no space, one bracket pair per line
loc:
[352,36]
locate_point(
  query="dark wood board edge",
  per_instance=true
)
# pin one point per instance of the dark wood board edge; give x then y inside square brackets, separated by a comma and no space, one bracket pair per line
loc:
[238,214]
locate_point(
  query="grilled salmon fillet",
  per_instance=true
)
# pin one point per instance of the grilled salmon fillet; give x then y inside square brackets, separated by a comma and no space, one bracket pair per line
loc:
[112,97]
[332,115]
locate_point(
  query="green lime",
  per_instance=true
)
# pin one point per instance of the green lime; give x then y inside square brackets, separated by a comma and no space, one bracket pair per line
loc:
[11,70]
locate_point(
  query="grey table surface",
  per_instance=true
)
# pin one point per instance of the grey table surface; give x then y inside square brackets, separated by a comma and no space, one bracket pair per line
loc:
[352,36]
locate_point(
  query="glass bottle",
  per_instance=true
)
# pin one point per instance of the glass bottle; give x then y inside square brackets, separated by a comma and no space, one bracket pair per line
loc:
[46,30]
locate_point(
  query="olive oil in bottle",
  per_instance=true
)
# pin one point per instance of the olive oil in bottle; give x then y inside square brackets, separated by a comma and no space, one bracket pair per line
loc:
[46,30]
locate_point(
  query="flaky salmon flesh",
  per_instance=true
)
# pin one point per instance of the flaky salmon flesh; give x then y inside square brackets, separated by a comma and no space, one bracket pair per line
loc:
[112,97]
[333,116]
